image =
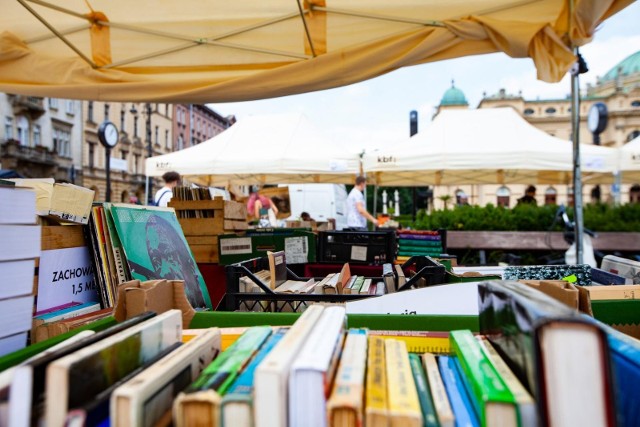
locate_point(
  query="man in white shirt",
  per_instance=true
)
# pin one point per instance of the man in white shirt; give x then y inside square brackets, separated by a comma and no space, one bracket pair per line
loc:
[357,214]
[164,195]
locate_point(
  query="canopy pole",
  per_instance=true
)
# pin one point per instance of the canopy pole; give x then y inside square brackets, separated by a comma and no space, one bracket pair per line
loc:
[146,188]
[575,136]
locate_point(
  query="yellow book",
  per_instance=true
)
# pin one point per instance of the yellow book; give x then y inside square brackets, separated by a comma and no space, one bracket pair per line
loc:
[376,404]
[404,404]
[344,407]
[419,341]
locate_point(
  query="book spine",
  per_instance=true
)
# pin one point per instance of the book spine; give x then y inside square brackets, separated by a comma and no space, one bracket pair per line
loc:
[348,389]
[420,342]
[483,381]
[219,375]
[438,392]
[403,397]
[376,401]
[426,402]
[458,397]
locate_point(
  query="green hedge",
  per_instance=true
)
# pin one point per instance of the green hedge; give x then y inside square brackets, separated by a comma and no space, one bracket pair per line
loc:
[598,217]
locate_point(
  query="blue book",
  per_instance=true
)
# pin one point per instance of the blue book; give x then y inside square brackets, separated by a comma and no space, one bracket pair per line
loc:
[604,277]
[61,313]
[237,406]
[625,361]
[458,396]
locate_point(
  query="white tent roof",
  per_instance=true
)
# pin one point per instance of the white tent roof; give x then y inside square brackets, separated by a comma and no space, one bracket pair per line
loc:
[485,146]
[629,163]
[269,149]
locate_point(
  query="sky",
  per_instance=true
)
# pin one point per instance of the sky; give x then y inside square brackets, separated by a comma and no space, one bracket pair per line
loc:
[375,112]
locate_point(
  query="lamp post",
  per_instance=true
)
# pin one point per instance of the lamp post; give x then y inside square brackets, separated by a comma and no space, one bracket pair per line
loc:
[147,116]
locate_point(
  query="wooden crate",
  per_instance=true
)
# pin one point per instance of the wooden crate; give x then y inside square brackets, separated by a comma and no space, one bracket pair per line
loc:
[202,233]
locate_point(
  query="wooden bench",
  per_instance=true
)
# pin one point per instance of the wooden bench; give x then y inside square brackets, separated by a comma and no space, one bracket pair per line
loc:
[537,240]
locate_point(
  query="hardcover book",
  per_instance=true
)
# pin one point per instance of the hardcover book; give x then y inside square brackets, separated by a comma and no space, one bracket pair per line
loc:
[313,369]
[404,405]
[147,398]
[376,397]
[426,402]
[272,375]
[75,379]
[536,335]
[237,404]
[156,248]
[345,406]
[200,402]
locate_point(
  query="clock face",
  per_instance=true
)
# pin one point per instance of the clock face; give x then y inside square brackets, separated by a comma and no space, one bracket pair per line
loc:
[108,134]
[597,118]
[593,118]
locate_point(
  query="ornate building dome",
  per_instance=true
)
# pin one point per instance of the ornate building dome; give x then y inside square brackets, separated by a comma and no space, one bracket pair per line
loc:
[453,96]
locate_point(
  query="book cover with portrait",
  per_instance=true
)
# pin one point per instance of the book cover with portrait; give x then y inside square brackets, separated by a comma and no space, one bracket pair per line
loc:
[155,248]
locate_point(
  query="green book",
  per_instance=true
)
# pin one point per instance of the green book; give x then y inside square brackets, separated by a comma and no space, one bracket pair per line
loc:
[357,284]
[426,401]
[420,243]
[492,400]
[222,372]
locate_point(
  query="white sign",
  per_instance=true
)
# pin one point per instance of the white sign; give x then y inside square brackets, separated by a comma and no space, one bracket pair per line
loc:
[454,299]
[64,276]
[235,246]
[358,253]
[118,164]
[296,250]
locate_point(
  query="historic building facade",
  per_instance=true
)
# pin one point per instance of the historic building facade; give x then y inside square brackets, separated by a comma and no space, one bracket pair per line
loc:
[618,90]
[41,137]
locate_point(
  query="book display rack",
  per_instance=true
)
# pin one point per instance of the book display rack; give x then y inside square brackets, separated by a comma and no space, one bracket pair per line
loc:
[424,271]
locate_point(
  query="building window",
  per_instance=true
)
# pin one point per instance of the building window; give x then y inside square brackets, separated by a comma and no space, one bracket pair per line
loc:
[62,142]
[22,125]
[135,126]
[106,112]
[124,154]
[503,195]
[550,196]
[166,139]
[8,127]
[136,162]
[53,103]
[528,111]
[90,111]
[550,110]
[92,152]
[157,135]
[634,193]
[122,114]
[70,104]
[635,103]
[180,142]
[37,135]
[633,135]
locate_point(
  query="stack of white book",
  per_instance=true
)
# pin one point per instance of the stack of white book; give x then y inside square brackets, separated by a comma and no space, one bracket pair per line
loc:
[19,248]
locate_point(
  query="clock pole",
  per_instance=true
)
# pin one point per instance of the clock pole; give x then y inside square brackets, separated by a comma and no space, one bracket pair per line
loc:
[107,153]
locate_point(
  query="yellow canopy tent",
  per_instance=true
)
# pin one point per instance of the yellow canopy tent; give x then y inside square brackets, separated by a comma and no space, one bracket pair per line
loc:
[196,51]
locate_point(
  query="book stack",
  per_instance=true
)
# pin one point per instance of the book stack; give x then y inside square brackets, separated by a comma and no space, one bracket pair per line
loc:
[419,242]
[521,370]
[19,248]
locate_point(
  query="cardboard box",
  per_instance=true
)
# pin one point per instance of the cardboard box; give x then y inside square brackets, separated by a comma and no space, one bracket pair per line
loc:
[561,290]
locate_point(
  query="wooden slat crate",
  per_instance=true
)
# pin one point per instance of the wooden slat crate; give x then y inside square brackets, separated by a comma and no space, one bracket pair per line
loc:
[202,233]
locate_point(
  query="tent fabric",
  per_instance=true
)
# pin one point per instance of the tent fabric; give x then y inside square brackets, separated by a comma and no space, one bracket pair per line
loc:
[629,161]
[485,146]
[194,51]
[268,149]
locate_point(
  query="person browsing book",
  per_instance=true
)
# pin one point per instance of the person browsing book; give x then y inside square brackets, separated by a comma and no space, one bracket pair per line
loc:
[357,214]
[262,208]
[164,195]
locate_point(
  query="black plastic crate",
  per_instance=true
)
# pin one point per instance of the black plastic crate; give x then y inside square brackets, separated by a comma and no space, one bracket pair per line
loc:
[366,247]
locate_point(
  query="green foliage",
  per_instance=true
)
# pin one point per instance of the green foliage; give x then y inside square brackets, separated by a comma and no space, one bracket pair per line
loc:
[598,217]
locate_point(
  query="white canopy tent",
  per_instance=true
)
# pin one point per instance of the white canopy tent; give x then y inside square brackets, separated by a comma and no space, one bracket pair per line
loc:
[485,146]
[629,163]
[269,149]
